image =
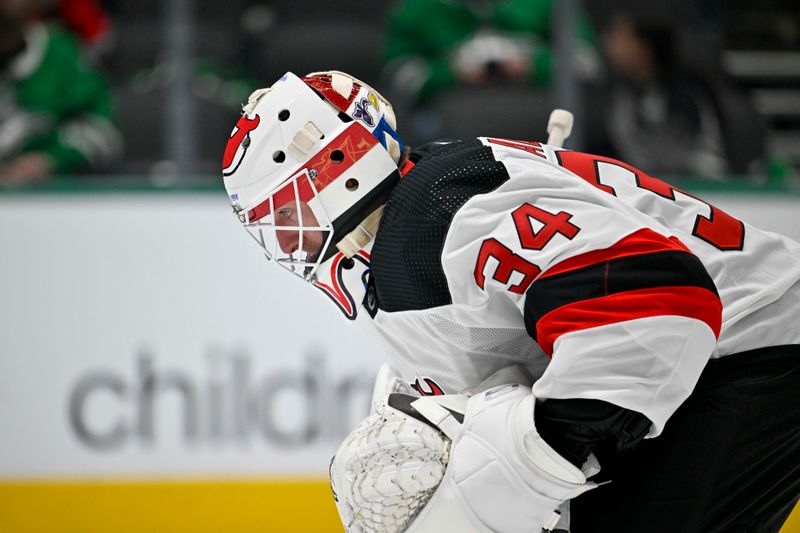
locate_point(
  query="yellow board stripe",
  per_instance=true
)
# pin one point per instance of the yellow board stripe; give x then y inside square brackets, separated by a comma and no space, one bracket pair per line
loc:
[167,507]
[792,525]
[235,506]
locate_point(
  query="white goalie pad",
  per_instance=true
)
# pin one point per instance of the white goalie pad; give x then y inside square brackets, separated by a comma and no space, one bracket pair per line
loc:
[484,470]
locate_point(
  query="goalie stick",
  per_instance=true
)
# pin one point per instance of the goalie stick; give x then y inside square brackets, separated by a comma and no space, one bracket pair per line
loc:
[559,127]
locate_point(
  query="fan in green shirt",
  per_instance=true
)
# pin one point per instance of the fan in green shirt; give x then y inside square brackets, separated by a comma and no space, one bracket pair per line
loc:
[436,44]
[55,112]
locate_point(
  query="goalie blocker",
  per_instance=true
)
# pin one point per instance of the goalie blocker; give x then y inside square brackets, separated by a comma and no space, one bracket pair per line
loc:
[453,463]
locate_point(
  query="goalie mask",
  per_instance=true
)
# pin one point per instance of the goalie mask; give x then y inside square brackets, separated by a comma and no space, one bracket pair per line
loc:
[307,162]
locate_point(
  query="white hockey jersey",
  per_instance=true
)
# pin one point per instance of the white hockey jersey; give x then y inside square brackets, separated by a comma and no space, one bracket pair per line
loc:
[604,282]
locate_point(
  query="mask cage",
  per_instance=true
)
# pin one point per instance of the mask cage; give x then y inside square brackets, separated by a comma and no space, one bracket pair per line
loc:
[291,226]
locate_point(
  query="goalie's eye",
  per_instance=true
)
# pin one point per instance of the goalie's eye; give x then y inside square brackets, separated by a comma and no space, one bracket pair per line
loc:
[286,214]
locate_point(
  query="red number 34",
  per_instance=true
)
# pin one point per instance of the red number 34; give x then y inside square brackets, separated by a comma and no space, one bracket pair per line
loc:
[507,261]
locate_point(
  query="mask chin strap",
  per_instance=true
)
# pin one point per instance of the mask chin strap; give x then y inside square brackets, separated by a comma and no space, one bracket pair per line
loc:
[361,235]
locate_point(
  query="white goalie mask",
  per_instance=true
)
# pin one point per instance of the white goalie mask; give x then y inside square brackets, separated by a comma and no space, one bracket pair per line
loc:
[307,162]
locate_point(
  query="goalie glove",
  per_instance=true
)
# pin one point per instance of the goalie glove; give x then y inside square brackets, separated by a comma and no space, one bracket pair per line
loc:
[500,476]
[387,468]
[387,381]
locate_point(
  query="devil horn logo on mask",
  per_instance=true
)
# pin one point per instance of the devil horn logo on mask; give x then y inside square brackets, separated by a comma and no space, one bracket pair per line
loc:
[238,144]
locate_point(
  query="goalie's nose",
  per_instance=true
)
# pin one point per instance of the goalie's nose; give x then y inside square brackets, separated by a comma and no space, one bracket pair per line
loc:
[288,240]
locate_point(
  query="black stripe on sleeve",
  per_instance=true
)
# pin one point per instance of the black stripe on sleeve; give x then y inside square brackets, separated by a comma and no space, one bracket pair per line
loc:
[643,271]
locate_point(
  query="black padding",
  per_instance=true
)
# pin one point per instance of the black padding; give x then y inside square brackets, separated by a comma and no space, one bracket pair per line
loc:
[575,428]
[406,256]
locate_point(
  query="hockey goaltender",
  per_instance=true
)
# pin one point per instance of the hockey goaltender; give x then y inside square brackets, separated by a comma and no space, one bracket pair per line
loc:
[575,345]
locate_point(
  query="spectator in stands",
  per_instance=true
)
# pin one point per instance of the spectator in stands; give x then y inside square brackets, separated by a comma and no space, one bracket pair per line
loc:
[89,21]
[55,112]
[436,44]
[667,110]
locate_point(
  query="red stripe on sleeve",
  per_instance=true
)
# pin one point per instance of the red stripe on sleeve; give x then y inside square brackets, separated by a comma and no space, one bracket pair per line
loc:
[643,241]
[691,302]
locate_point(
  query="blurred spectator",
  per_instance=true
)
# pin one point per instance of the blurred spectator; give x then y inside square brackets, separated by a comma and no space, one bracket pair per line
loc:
[436,44]
[86,18]
[55,112]
[670,110]
[89,21]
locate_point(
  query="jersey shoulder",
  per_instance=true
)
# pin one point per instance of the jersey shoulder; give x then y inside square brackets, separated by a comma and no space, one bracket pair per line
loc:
[406,257]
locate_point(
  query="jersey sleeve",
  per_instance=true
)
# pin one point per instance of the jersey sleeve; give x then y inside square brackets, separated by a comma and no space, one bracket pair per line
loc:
[627,313]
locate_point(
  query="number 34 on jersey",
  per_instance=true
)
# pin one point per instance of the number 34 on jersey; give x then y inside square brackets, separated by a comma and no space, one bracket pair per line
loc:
[536,227]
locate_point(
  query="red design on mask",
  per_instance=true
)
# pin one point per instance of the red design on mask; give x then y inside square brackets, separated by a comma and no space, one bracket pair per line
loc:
[242,133]
[337,291]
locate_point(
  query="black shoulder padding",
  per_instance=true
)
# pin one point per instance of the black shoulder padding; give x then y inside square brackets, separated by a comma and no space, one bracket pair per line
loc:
[406,257]
[576,428]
